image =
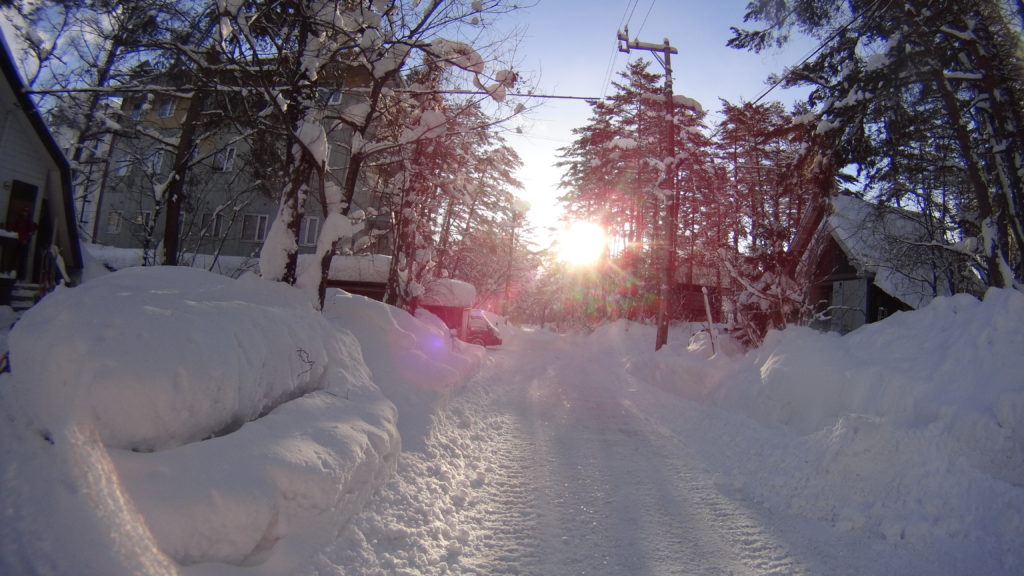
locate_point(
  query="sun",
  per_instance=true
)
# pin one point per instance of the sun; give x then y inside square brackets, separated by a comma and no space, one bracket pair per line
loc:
[581,244]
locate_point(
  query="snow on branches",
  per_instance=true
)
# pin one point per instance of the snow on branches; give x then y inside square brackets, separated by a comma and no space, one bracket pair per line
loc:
[462,55]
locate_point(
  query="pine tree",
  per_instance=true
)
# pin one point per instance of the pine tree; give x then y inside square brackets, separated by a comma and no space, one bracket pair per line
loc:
[951,69]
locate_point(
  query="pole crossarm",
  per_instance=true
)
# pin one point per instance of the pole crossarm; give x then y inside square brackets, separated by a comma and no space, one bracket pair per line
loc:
[625,45]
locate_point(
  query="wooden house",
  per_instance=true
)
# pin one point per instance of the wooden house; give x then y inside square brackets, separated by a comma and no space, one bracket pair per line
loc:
[863,262]
[39,245]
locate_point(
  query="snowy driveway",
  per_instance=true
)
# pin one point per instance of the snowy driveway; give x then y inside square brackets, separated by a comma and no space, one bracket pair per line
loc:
[558,461]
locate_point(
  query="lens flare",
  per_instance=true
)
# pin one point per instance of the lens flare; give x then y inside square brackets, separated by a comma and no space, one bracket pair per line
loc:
[581,244]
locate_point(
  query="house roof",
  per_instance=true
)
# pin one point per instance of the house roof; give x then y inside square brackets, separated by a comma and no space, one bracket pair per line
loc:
[13,77]
[449,292]
[893,246]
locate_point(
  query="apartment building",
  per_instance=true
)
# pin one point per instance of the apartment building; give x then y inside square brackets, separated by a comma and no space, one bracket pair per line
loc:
[233,181]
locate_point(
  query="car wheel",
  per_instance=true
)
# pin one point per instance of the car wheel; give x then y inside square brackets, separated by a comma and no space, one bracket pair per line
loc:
[478,342]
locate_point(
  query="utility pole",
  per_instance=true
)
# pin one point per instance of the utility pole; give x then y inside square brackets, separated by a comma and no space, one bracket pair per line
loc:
[672,199]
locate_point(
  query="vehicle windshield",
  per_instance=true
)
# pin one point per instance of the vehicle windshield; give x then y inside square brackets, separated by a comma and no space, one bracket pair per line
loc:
[479,320]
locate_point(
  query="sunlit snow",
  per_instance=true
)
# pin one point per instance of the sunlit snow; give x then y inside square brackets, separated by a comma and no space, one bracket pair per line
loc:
[173,421]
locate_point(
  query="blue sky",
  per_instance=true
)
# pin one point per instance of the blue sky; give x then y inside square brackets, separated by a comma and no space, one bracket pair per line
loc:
[570,48]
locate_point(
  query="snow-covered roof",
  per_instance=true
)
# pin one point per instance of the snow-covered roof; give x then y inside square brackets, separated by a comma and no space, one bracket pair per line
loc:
[448,292]
[892,244]
[357,268]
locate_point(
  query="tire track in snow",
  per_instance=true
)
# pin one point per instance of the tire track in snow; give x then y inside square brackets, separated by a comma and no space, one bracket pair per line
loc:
[463,506]
[749,542]
[615,493]
[537,469]
[501,513]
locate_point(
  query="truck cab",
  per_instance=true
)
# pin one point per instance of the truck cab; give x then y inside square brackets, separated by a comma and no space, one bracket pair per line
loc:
[480,331]
[467,324]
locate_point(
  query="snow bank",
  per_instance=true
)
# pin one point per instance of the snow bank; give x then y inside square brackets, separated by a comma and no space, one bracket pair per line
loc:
[101,260]
[685,366]
[363,267]
[417,365]
[159,414]
[190,394]
[911,428]
[962,378]
[909,431]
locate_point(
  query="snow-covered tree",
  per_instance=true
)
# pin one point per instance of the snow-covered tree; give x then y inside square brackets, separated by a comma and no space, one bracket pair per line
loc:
[454,196]
[78,58]
[901,86]
[619,173]
[293,48]
[763,201]
[609,176]
[268,64]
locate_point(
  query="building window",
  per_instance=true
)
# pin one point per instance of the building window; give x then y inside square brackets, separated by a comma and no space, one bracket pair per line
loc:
[114,222]
[213,225]
[167,107]
[335,97]
[144,218]
[138,109]
[224,159]
[309,231]
[155,162]
[254,227]
[122,163]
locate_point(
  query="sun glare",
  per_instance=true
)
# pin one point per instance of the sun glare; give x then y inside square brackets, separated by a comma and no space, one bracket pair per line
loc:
[581,244]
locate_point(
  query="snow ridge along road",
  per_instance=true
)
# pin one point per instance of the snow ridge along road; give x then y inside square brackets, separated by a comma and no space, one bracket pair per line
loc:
[556,461]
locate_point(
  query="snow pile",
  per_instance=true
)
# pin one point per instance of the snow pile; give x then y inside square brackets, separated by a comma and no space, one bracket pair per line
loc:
[411,361]
[173,421]
[169,420]
[912,428]
[100,259]
[110,257]
[962,380]
[684,366]
[360,267]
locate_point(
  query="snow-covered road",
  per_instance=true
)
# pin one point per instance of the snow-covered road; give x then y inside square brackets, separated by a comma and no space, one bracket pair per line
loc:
[895,449]
[554,461]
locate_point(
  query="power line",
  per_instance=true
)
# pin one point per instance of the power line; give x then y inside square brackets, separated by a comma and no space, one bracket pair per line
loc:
[646,16]
[627,19]
[515,94]
[553,96]
[820,47]
[627,15]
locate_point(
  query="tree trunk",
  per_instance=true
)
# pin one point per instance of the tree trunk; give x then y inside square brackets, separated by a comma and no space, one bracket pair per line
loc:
[176,186]
[985,218]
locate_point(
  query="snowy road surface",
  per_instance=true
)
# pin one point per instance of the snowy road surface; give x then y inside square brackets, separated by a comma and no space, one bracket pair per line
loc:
[554,461]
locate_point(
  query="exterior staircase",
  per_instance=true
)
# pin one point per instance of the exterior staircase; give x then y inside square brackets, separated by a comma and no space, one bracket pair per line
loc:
[24,295]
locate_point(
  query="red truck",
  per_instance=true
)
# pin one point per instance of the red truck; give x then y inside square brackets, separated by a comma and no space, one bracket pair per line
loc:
[469,324]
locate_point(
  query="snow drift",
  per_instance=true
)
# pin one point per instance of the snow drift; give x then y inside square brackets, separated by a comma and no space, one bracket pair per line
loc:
[962,380]
[410,358]
[910,429]
[172,419]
